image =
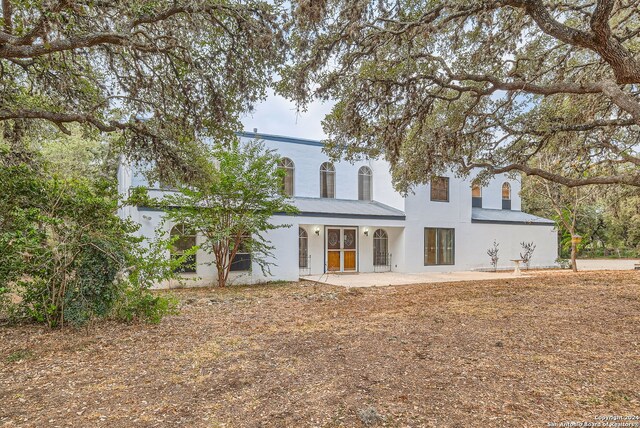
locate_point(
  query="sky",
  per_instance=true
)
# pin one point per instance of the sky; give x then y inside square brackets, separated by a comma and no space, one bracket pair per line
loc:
[276,115]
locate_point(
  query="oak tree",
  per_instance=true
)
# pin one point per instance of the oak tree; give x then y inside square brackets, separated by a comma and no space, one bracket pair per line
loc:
[161,74]
[475,84]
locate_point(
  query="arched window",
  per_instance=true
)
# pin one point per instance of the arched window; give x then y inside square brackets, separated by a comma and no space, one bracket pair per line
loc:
[185,239]
[303,248]
[327,180]
[380,248]
[289,168]
[365,190]
[506,196]
[476,196]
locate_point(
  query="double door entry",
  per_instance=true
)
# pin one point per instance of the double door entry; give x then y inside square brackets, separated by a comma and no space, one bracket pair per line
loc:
[342,249]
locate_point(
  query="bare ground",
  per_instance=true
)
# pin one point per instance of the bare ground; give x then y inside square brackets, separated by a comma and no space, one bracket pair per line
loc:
[512,352]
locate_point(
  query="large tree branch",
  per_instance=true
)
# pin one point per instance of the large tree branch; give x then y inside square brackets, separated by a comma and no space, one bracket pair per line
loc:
[632,180]
[623,63]
[10,50]
[62,118]
[600,19]
[609,88]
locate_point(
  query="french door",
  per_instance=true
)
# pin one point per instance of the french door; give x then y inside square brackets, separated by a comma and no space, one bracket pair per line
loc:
[342,249]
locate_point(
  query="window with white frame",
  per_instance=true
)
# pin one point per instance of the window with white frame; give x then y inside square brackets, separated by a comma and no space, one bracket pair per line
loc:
[303,248]
[365,190]
[288,180]
[476,195]
[327,180]
[242,259]
[380,248]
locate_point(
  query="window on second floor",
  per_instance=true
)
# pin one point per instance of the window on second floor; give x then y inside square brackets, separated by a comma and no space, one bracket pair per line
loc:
[365,182]
[289,169]
[440,189]
[327,180]
[506,196]
[476,196]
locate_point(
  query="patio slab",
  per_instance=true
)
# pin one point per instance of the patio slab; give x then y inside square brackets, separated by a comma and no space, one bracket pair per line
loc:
[396,278]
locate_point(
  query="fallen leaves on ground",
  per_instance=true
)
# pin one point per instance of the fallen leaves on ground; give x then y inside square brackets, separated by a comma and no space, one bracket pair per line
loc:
[514,352]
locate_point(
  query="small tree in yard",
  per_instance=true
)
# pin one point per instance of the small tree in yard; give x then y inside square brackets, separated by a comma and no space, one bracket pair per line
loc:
[528,248]
[569,207]
[231,208]
[493,254]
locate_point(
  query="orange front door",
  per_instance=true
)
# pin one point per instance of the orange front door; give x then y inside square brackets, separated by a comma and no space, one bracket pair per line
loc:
[333,249]
[349,246]
[333,260]
[349,260]
[341,249]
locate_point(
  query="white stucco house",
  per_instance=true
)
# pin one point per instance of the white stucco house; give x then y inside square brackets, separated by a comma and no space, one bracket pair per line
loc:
[352,220]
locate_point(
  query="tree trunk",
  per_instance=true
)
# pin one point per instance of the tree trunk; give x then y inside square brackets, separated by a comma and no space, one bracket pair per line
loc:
[222,278]
[220,256]
[574,251]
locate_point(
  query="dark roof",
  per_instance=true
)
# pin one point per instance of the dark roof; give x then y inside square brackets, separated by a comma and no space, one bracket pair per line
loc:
[484,215]
[346,208]
[280,138]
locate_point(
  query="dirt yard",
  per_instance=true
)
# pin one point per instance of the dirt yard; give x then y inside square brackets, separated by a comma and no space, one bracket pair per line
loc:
[501,353]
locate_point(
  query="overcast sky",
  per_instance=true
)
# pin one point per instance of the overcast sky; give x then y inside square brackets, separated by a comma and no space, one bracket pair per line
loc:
[278,116]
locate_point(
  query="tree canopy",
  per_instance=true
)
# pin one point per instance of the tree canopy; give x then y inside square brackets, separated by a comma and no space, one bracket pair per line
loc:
[160,73]
[475,84]
[233,207]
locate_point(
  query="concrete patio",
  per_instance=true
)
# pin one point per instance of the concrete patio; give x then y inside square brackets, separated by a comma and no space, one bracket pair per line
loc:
[395,278]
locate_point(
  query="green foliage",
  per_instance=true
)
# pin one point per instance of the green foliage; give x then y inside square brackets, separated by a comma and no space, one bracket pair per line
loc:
[80,155]
[232,207]
[19,355]
[190,69]
[138,304]
[64,249]
[607,219]
[460,85]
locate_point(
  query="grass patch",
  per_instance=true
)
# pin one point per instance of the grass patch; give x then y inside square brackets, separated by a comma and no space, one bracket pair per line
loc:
[19,355]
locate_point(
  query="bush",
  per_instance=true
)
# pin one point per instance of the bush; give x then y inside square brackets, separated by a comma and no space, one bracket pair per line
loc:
[65,252]
[138,304]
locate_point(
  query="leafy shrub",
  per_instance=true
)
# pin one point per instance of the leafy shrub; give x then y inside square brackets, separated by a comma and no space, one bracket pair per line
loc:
[141,305]
[563,263]
[65,252]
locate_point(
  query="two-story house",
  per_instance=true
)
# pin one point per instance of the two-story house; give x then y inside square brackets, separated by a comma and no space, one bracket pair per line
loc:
[352,220]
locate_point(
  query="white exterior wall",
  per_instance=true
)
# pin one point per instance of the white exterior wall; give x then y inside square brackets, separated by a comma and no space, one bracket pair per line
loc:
[406,237]
[307,160]
[508,238]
